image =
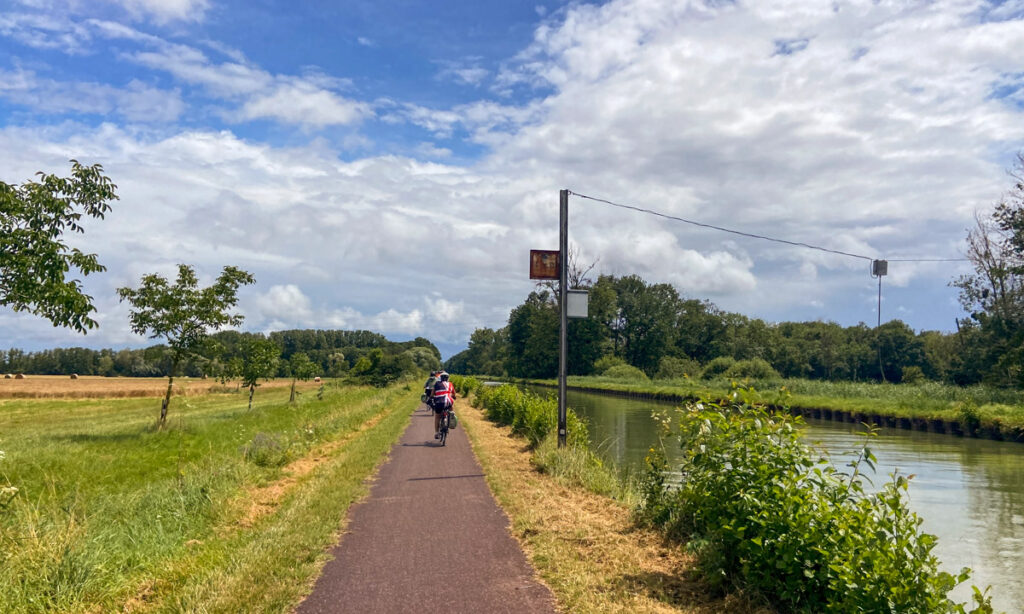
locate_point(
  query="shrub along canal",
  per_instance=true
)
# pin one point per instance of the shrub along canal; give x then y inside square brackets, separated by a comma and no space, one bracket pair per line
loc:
[970,492]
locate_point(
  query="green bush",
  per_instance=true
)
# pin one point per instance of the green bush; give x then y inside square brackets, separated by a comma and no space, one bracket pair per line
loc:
[718,366]
[754,368]
[913,375]
[266,450]
[464,385]
[672,367]
[762,510]
[604,363]
[626,372]
[529,415]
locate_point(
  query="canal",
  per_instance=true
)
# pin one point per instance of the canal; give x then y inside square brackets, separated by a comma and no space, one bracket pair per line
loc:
[969,492]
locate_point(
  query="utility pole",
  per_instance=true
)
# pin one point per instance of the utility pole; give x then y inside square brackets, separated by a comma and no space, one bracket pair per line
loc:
[563,335]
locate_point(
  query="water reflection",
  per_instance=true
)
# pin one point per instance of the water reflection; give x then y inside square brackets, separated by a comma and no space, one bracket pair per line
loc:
[970,492]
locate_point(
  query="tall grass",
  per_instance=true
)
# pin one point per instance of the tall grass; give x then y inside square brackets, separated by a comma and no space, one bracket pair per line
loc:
[536,419]
[112,511]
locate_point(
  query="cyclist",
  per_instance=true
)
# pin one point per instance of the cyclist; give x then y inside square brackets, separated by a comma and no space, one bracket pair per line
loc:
[428,388]
[442,398]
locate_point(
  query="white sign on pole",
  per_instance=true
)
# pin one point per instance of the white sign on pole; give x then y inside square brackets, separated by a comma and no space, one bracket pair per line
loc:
[576,303]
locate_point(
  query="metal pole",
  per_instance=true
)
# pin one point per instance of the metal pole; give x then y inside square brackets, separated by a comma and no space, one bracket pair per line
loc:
[563,335]
[879,301]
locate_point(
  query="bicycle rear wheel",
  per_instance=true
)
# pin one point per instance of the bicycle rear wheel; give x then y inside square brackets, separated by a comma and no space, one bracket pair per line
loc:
[444,428]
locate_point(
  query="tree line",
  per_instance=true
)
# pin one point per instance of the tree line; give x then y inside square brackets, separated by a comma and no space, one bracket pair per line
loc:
[334,353]
[652,328]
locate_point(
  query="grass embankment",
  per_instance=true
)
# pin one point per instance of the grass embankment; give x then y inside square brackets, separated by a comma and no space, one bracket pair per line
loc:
[974,410]
[585,545]
[227,510]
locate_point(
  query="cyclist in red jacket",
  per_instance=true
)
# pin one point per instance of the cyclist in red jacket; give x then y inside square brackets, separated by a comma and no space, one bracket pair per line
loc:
[442,399]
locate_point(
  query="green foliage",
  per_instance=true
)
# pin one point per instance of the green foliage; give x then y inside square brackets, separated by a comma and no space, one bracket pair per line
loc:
[259,360]
[423,359]
[266,450]
[529,415]
[913,375]
[718,367]
[673,367]
[464,385]
[380,369]
[752,368]
[763,511]
[607,362]
[625,372]
[183,314]
[34,260]
[301,367]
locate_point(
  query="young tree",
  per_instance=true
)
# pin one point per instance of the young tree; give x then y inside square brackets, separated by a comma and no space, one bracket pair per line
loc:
[259,361]
[300,367]
[183,314]
[34,259]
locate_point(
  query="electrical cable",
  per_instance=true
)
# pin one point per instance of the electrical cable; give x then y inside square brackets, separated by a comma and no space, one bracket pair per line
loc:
[757,236]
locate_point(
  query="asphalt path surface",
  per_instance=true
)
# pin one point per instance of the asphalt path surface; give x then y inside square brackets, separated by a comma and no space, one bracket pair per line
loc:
[429,538]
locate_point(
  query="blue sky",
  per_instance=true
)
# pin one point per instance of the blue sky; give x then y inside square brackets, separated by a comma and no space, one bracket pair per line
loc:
[387,165]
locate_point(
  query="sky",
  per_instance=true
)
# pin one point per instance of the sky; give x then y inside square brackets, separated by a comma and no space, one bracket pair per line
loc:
[388,165]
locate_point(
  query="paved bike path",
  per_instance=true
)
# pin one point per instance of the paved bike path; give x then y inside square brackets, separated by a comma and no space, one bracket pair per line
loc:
[429,538]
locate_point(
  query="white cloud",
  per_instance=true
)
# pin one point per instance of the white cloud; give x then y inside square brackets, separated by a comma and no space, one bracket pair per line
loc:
[135,102]
[301,103]
[163,11]
[879,137]
[286,303]
[445,311]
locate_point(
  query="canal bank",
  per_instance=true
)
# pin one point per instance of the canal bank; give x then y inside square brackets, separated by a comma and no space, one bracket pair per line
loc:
[966,423]
[969,491]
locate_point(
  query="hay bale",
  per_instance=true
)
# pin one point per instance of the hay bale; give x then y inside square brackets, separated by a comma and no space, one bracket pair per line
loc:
[204,376]
[74,376]
[316,379]
[8,376]
[19,376]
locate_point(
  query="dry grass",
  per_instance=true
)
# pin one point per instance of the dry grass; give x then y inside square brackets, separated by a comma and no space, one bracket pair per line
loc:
[583,545]
[98,387]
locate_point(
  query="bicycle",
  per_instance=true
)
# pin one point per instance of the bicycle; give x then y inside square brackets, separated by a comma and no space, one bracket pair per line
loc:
[443,428]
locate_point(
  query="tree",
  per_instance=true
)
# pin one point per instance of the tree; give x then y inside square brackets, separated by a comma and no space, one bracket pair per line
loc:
[34,260]
[259,361]
[300,367]
[183,314]
[994,294]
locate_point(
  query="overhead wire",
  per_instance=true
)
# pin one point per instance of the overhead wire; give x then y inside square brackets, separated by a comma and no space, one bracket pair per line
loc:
[757,236]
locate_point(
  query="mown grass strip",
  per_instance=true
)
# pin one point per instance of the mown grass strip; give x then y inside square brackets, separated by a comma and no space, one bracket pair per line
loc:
[584,545]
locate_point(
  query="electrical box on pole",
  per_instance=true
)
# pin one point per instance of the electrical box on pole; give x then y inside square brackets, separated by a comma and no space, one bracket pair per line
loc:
[577,306]
[879,269]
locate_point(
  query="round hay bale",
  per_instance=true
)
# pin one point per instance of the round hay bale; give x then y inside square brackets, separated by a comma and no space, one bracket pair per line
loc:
[8,376]
[19,376]
[316,379]
[204,376]
[74,376]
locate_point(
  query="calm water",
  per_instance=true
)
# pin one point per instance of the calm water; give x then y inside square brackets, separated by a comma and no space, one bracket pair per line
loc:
[970,492]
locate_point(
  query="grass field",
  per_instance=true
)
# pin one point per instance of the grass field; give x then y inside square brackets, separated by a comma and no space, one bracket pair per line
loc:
[226,510]
[96,387]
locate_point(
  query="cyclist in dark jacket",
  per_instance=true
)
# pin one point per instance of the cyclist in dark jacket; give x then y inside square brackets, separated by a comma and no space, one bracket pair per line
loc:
[428,388]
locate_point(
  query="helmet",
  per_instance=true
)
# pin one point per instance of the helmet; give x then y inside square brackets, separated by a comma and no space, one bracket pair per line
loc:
[444,376]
